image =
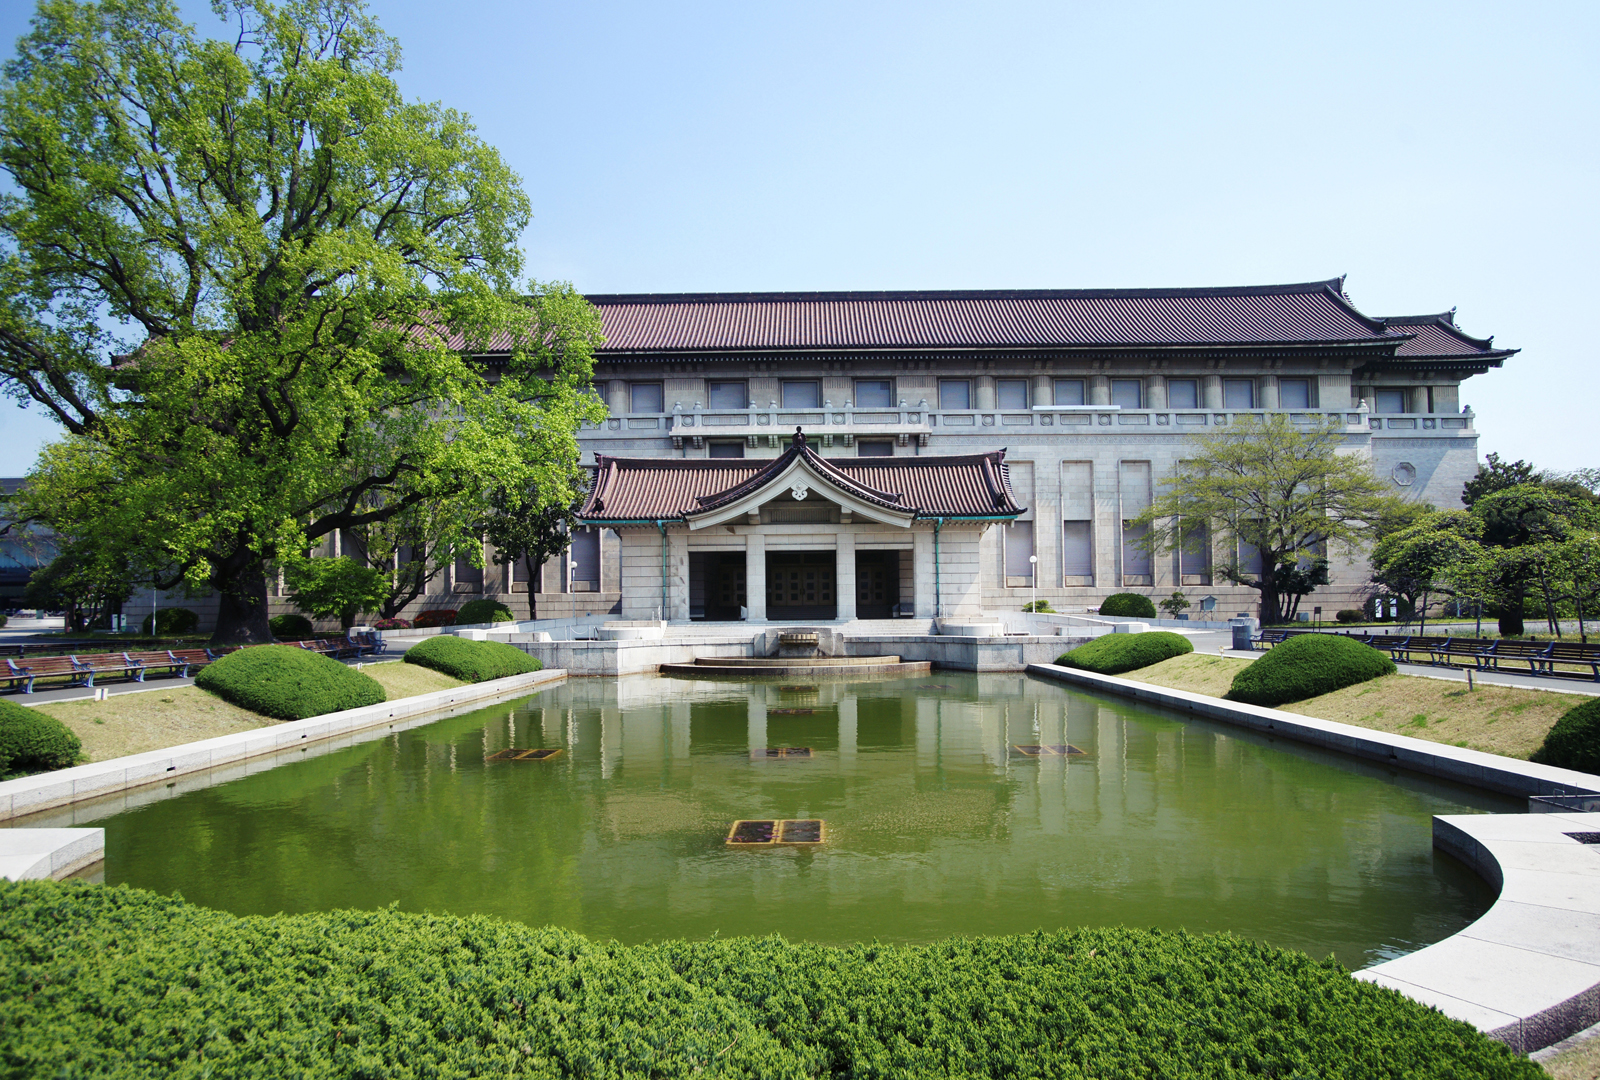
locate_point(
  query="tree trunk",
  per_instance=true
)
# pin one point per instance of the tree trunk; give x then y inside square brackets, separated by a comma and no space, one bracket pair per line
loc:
[533,603]
[241,584]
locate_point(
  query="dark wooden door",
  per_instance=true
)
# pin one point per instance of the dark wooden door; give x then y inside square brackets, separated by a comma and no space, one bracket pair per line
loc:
[877,584]
[801,586]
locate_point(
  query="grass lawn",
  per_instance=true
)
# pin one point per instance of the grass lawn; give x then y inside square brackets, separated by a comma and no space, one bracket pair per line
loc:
[1582,1062]
[155,719]
[1503,720]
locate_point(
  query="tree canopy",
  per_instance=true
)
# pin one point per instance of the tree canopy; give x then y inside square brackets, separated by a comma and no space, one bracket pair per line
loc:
[249,280]
[1282,488]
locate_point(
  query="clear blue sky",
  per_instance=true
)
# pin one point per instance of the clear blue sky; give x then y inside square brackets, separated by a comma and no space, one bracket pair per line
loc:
[1439,154]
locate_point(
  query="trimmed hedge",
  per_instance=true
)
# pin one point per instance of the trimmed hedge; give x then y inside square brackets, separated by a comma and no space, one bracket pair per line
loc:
[288,683]
[471,661]
[1574,741]
[483,611]
[437,617]
[170,621]
[1307,666]
[1128,605]
[113,981]
[1349,615]
[392,624]
[34,742]
[1113,654]
[291,627]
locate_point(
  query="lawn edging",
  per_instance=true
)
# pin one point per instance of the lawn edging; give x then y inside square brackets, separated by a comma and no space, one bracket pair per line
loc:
[46,791]
[1491,772]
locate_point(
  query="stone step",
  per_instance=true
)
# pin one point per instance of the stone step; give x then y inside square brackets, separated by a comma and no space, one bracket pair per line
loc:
[792,668]
[812,661]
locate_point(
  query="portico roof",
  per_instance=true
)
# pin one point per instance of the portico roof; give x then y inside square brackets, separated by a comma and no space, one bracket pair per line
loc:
[646,490]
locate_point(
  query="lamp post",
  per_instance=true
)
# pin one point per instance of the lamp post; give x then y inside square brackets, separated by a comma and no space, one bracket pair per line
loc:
[572,564]
[1033,571]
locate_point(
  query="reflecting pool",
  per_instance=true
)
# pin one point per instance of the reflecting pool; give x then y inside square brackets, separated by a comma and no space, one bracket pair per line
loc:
[935,824]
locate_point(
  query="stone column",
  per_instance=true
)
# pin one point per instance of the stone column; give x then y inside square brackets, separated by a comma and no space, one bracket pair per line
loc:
[844,573]
[1212,389]
[985,392]
[922,571]
[1155,390]
[756,723]
[1269,392]
[1044,391]
[1099,390]
[847,730]
[678,581]
[755,577]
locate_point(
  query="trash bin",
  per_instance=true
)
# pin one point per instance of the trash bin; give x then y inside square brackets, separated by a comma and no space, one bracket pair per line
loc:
[1243,631]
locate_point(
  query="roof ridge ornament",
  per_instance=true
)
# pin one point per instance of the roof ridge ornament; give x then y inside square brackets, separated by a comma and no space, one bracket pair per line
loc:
[799,437]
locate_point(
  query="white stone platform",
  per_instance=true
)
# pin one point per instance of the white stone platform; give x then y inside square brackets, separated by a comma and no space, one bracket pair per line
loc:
[27,854]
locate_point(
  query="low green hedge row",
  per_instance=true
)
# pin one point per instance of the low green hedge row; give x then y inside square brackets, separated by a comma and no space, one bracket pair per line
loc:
[168,621]
[34,742]
[1574,741]
[1113,654]
[112,981]
[471,661]
[1128,605]
[291,627]
[483,611]
[288,683]
[1307,666]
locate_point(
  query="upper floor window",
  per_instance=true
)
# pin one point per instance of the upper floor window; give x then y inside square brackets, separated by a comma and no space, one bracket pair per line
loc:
[801,394]
[875,448]
[725,449]
[1183,393]
[1294,393]
[1011,393]
[1389,401]
[1127,393]
[645,397]
[955,394]
[1238,393]
[727,395]
[1069,392]
[874,394]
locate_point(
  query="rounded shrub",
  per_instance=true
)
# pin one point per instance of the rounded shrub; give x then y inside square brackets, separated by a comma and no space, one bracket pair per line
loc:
[1350,615]
[437,617]
[1308,666]
[1574,741]
[170,621]
[483,611]
[471,661]
[291,627]
[288,683]
[2,621]
[1115,653]
[34,742]
[1128,605]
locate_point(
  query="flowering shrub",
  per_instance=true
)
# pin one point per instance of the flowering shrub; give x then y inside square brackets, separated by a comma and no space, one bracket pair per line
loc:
[444,616]
[392,624]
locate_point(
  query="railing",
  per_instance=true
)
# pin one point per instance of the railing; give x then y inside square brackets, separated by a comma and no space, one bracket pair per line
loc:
[904,422]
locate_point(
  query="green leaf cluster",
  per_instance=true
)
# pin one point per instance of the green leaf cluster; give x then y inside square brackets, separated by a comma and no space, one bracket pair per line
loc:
[291,627]
[1113,654]
[1574,741]
[34,742]
[1307,666]
[169,621]
[483,610]
[471,661]
[111,981]
[337,588]
[1128,605]
[286,682]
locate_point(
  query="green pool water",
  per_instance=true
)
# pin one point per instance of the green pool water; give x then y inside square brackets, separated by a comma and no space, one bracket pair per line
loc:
[935,826]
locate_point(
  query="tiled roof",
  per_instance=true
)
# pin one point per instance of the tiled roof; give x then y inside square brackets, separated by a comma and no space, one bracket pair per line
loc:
[672,489]
[1314,312]
[1439,336]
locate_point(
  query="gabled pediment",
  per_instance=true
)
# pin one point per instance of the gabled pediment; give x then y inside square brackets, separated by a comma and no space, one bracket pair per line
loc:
[800,481]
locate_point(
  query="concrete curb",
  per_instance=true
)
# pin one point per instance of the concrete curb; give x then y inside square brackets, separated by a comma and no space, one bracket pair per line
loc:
[46,791]
[1528,972]
[49,853]
[1491,772]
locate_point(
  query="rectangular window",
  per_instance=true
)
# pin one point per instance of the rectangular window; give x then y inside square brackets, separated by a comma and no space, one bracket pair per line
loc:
[875,448]
[1135,558]
[1294,393]
[469,578]
[801,394]
[1127,393]
[586,556]
[645,397]
[1238,393]
[1389,401]
[1019,550]
[1077,549]
[725,449]
[1011,393]
[727,395]
[1194,555]
[955,394]
[1249,559]
[874,394]
[1069,392]
[1183,394]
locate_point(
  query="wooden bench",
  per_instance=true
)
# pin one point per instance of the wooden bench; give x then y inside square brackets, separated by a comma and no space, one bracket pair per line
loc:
[1531,653]
[22,676]
[334,650]
[1575,654]
[180,662]
[1402,651]
[108,664]
[366,644]
[1268,638]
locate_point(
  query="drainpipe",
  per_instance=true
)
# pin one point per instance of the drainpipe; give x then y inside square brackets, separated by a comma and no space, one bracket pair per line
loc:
[938,595]
[665,611]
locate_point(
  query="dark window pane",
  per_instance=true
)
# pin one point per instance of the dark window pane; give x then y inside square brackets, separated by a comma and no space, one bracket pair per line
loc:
[1069,392]
[1390,401]
[645,397]
[955,394]
[1238,393]
[726,449]
[1012,393]
[1183,394]
[874,394]
[1294,394]
[875,448]
[726,395]
[802,395]
[1127,393]
[1077,549]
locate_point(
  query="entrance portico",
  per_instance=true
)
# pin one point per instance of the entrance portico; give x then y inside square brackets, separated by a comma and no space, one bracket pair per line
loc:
[801,537]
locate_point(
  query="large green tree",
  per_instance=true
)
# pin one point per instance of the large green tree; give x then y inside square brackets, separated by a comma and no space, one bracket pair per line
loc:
[249,278]
[1415,562]
[1285,489]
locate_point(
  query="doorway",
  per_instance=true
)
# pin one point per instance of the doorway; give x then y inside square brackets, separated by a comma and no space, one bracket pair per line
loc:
[716,586]
[877,584]
[800,585]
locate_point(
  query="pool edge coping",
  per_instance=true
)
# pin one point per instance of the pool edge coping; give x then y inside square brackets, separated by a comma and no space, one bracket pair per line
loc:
[1518,983]
[80,783]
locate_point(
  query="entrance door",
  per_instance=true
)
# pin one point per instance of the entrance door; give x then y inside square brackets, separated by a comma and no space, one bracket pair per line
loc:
[800,585]
[877,584]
